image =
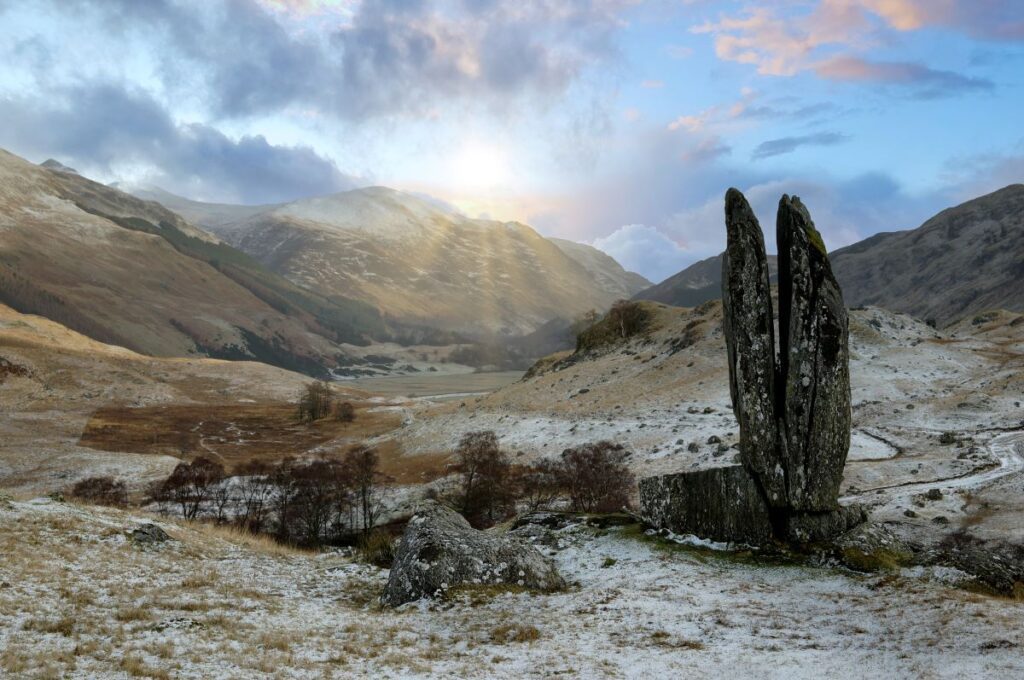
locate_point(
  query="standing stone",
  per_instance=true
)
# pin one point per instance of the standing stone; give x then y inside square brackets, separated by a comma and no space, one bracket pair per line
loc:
[749,339]
[814,375]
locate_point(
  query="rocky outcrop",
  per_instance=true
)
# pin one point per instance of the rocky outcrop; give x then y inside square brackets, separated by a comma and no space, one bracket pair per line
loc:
[440,550]
[793,409]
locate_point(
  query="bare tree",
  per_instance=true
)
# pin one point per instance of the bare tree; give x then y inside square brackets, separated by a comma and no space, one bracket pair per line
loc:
[486,493]
[596,477]
[315,401]
[364,476]
[540,484]
[255,492]
[189,485]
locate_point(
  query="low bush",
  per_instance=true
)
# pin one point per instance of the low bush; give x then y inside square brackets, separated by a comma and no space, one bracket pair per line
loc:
[101,491]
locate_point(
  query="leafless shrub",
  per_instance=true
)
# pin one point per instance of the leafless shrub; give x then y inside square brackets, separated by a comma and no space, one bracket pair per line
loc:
[486,495]
[345,412]
[190,485]
[596,477]
[101,491]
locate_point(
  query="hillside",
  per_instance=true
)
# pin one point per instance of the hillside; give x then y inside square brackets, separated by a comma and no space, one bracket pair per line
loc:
[697,284]
[132,273]
[608,273]
[664,394]
[423,265]
[965,260]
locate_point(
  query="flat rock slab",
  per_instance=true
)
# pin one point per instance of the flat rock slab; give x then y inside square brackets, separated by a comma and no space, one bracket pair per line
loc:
[721,504]
[440,550]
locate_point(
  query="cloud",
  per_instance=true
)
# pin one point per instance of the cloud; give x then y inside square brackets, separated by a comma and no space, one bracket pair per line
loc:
[105,129]
[783,145]
[930,83]
[643,249]
[387,58]
[749,107]
[784,44]
[653,84]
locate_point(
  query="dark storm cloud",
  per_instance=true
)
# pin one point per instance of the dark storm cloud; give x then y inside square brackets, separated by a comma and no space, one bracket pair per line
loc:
[101,126]
[783,145]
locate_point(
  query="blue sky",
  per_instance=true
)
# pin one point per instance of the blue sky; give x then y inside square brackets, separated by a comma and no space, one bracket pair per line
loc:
[615,122]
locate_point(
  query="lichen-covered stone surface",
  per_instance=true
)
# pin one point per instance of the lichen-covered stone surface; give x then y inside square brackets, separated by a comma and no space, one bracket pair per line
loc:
[721,504]
[815,527]
[440,550]
[750,342]
[814,365]
[793,410]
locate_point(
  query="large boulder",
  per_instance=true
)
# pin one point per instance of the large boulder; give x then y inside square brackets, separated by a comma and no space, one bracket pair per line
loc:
[814,366]
[721,504]
[440,550]
[750,342]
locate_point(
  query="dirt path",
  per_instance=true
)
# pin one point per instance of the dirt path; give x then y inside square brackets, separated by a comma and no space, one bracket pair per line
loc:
[1007,449]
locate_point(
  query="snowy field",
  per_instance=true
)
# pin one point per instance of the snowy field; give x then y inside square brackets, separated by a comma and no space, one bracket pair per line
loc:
[79,600]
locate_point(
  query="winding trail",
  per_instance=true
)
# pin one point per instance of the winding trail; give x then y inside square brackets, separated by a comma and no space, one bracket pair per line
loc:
[1007,448]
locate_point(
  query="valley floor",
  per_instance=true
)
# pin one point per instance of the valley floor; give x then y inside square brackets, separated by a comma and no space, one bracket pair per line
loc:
[78,599]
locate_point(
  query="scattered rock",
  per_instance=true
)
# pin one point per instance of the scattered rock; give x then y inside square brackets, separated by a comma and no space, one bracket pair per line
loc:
[934,495]
[909,513]
[148,534]
[440,550]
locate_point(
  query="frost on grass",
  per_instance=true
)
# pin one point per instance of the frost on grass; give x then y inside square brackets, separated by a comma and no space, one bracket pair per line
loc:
[79,599]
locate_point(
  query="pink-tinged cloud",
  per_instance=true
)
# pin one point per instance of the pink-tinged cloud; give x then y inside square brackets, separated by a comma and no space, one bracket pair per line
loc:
[783,43]
[932,81]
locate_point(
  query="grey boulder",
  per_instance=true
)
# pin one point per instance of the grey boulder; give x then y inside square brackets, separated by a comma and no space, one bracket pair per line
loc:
[440,550]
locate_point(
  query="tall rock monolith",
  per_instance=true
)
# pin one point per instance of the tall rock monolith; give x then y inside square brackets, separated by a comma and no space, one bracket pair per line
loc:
[793,408]
[814,364]
[750,342]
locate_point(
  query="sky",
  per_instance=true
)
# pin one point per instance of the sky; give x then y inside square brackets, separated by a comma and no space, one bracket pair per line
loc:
[618,123]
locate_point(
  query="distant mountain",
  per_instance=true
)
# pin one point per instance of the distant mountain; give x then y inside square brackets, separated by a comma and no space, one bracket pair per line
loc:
[608,273]
[421,263]
[209,216]
[965,260]
[132,273]
[698,283]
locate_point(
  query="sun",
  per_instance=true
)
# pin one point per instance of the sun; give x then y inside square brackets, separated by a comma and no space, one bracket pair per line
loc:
[480,166]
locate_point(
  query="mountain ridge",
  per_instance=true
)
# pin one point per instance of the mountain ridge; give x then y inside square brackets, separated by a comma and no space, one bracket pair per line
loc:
[966,259]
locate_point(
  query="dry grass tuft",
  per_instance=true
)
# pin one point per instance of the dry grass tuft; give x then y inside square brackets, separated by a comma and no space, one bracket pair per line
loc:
[514,632]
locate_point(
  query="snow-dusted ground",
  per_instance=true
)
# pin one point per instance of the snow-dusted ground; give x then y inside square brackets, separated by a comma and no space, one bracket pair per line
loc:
[78,600]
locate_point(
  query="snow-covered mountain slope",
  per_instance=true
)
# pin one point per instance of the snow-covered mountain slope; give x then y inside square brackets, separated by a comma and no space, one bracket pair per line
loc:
[422,263]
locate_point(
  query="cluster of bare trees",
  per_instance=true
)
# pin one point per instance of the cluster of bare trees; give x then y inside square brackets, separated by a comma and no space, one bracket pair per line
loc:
[590,478]
[302,502]
[317,402]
